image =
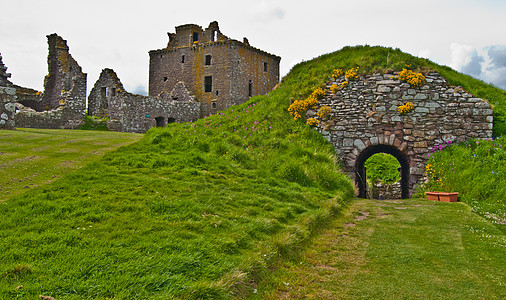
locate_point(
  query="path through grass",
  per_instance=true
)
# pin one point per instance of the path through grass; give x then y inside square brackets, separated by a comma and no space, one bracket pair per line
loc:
[402,249]
[33,157]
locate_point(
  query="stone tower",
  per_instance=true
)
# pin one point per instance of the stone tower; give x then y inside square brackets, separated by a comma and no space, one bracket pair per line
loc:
[219,71]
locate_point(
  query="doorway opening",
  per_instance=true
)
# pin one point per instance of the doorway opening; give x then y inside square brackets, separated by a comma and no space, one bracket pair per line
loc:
[361,169]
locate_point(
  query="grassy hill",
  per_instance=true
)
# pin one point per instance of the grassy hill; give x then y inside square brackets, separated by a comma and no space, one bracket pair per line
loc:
[194,210]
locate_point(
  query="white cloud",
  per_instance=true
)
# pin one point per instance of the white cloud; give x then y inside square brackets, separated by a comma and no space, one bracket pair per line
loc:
[460,55]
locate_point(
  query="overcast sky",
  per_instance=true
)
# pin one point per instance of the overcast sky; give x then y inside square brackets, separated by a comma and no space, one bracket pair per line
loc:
[467,35]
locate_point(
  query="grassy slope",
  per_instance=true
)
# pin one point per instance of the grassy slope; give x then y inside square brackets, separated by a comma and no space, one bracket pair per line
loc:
[477,170]
[34,157]
[193,210]
[409,249]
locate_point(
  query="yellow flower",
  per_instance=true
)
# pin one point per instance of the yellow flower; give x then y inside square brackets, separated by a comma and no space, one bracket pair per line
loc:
[337,73]
[344,84]
[334,88]
[352,74]
[312,122]
[324,112]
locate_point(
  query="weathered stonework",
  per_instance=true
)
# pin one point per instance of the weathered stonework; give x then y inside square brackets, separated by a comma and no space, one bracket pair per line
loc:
[386,191]
[7,98]
[364,121]
[218,71]
[136,113]
[63,103]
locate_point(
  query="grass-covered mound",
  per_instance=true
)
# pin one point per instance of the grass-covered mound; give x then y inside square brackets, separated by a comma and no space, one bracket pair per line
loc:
[193,210]
[379,59]
[477,170]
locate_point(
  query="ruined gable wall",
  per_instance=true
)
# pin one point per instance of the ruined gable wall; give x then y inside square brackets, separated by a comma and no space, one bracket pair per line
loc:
[107,85]
[365,114]
[64,74]
[64,98]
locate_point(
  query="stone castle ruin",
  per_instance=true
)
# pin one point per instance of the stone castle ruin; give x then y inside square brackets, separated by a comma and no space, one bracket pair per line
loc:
[200,72]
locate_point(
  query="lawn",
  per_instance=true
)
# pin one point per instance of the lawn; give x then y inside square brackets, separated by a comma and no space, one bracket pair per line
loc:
[405,249]
[33,157]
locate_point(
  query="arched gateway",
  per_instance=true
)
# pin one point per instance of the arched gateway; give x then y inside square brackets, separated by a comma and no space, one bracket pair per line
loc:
[365,120]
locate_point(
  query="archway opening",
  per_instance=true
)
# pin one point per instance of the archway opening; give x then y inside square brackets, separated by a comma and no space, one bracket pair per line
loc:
[383,172]
[160,121]
[361,172]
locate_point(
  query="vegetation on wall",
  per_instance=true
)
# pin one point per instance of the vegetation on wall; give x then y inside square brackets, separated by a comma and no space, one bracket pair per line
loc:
[370,60]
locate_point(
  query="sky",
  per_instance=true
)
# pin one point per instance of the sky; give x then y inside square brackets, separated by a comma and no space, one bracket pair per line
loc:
[467,35]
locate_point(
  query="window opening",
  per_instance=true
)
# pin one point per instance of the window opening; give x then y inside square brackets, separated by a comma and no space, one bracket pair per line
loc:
[213,36]
[171,120]
[104,92]
[165,79]
[113,92]
[182,59]
[250,89]
[213,105]
[266,67]
[217,92]
[208,84]
[195,37]
[208,60]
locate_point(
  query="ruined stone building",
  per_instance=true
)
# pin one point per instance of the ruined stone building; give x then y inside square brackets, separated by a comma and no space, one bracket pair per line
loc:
[219,71]
[63,102]
[199,72]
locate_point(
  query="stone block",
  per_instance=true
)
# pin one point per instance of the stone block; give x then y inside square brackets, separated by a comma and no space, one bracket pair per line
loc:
[359,144]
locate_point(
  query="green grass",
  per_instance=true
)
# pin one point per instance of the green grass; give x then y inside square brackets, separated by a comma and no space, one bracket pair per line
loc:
[33,157]
[313,73]
[195,210]
[408,249]
[477,170]
[382,167]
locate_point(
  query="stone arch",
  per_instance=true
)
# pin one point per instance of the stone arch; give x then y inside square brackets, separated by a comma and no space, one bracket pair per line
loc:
[402,157]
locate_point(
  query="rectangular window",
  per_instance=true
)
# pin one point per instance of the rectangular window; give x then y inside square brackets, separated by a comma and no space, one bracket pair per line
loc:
[104,92]
[250,89]
[266,67]
[208,84]
[195,37]
[208,60]
[182,59]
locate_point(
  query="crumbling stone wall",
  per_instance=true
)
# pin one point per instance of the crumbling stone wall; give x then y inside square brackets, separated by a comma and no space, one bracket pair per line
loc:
[107,85]
[234,70]
[365,120]
[63,103]
[135,113]
[7,98]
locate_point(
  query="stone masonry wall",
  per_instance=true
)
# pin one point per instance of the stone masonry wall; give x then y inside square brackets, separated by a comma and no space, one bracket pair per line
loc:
[136,113]
[364,114]
[7,107]
[7,98]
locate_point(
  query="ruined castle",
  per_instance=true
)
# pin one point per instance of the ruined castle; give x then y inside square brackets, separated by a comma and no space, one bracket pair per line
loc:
[200,72]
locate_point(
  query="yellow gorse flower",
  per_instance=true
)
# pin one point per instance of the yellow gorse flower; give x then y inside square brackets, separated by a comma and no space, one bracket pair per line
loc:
[406,108]
[312,122]
[413,78]
[337,73]
[324,112]
[352,74]
[334,88]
